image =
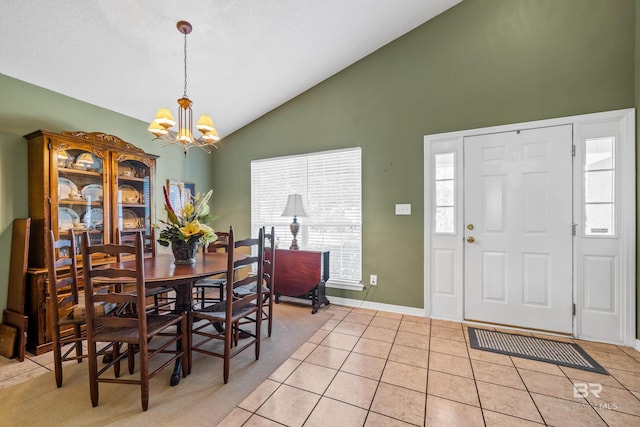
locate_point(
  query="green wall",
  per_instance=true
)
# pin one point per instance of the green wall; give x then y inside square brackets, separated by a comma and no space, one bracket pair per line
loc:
[26,108]
[482,63]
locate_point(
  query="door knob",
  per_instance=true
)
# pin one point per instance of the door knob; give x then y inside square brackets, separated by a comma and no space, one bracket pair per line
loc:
[470,239]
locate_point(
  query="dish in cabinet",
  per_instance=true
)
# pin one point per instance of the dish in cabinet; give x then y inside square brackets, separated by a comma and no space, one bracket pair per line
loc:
[92,192]
[130,219]
[64,159]
[93,217]
[67,217]
[67,189]
[126,170]
[129,194]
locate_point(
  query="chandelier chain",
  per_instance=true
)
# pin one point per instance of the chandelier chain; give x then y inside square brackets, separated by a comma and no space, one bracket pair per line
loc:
[185,65]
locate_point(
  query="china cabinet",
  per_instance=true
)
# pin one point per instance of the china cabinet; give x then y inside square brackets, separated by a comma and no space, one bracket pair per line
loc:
[91,182]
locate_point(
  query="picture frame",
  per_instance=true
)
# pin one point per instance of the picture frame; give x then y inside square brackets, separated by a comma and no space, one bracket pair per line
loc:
[180,192]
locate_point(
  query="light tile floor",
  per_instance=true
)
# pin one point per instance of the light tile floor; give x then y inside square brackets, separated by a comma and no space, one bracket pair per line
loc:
[374,368]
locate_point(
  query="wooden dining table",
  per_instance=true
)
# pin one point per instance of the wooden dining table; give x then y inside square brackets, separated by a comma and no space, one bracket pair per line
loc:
[160,271]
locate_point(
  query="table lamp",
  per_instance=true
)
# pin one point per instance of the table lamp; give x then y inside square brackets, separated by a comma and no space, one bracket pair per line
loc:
[294,208]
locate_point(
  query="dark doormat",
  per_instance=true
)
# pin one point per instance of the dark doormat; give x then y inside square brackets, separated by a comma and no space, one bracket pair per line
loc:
[543,350]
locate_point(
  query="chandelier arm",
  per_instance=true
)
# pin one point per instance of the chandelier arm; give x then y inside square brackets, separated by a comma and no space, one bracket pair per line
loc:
[200,143]
[202,147]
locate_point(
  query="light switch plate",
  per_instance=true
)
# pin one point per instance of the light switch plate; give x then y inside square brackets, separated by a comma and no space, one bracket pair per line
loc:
[403,209]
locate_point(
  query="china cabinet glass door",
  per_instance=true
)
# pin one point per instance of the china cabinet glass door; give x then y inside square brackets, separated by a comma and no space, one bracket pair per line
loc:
[132,199]
[78,202]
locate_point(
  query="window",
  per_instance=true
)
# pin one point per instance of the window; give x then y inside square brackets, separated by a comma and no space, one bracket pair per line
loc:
[599,189]
[444,193]
[330,183]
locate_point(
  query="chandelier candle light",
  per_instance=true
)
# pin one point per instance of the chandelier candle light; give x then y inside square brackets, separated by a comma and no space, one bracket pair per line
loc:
[294,208]
[164,121]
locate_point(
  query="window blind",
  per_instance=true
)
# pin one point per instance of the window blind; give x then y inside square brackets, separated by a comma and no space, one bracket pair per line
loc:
[330,183]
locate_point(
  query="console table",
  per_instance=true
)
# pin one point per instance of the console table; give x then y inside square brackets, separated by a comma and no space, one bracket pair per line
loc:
[301,274]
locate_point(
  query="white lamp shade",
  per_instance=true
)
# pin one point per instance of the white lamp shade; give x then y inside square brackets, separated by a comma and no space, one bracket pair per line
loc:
[205,124]
[211,136]
[164,118]
[185,136]
[157,130]
[294,206]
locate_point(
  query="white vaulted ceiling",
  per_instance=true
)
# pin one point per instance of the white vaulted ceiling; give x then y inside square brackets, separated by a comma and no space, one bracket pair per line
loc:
[245,57]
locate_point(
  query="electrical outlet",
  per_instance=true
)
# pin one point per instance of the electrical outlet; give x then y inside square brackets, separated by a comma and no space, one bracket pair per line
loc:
[373,280]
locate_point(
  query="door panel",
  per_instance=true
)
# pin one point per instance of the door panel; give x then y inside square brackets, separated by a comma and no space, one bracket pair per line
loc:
[518,212]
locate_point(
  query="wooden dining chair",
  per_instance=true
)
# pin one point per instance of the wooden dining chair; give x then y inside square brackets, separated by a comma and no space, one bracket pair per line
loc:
[267,284]
[66,305]
[201,287]
[163,297]
[136,329]
[224,343]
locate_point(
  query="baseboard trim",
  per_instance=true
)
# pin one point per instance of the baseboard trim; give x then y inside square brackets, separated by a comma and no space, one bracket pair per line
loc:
[400,309]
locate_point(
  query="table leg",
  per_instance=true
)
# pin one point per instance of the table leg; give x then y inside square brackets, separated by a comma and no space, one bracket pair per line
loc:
[183,305]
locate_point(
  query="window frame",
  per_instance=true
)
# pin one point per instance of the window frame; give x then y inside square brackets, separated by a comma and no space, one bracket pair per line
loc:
[304,181]
[586,172]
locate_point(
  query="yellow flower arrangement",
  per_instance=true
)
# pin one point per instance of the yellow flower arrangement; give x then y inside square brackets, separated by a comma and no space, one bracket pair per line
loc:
[188,224]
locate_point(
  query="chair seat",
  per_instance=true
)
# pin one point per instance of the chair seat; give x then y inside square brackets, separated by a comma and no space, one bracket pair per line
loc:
[78,312]
[70,320]
[155,324]
[217,312]
[203,285]
[211,283]
[242,291]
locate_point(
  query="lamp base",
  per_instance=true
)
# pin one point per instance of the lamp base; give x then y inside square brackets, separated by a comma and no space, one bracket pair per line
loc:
[294,245]
[294,227]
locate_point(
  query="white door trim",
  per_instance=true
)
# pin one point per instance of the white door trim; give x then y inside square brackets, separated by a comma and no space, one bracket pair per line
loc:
[449,305]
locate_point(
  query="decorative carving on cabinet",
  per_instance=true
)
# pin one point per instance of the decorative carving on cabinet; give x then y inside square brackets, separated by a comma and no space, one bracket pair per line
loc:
[105,138]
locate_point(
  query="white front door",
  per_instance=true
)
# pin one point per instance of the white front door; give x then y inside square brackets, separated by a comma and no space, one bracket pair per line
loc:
[518,228]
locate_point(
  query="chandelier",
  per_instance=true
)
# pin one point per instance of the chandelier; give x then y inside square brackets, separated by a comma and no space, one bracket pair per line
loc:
[162,125]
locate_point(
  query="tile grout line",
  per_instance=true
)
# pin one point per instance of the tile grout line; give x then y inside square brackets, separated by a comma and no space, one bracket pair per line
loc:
[379,381]
[465,334]
[426,391]
[335,375]
[281,383]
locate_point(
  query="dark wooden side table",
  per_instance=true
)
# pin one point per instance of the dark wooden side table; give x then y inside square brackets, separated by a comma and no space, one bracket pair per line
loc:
[301,274]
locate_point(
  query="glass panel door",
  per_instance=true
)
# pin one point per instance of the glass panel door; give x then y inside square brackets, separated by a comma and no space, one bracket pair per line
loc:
[133,196]
[79,197]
